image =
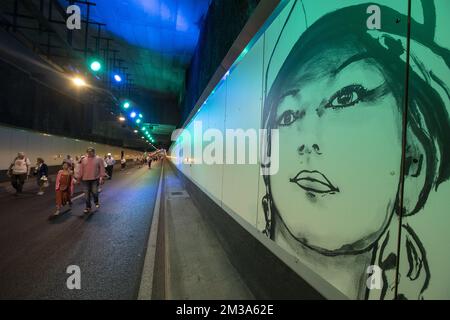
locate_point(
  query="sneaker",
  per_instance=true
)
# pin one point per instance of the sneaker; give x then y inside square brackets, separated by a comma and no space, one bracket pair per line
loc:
[40,193]
[87,210]
[56,213]
[97,205]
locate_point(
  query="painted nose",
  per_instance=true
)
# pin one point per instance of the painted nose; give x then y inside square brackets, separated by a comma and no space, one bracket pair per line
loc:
[308,149]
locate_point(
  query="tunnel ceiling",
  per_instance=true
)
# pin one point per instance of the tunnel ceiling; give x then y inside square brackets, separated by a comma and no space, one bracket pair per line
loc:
[154,41]
[156,37]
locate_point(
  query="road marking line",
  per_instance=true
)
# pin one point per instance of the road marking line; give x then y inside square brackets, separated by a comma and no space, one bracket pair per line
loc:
[146,285]
[78,197]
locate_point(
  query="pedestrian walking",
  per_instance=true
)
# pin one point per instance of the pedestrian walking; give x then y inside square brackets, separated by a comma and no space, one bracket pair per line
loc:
[64,187]
[150,162]
[91,174]
[41,173]
[110,162]
[76,168]
[123,163]
[19,171]
[70,161]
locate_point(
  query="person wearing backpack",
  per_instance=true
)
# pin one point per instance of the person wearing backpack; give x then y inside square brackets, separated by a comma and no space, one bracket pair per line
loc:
[41,173]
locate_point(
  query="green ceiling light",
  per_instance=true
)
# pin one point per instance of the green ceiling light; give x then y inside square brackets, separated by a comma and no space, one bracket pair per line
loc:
[95,66]
[140,115]
[138,121]
[126,105]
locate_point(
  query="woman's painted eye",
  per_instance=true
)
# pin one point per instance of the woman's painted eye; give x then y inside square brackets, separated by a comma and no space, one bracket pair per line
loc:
[287,117]
[347,97]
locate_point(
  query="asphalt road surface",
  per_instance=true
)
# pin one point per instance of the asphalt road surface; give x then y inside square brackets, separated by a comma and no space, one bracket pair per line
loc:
[108,246]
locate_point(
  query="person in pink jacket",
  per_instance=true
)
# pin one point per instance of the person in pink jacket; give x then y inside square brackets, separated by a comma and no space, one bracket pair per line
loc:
[63,187]
[91,174]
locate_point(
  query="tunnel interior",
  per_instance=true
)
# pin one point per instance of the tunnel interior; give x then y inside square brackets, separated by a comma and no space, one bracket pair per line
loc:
[270,149]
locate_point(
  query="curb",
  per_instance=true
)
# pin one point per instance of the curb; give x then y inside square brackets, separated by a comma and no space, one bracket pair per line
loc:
[146,285]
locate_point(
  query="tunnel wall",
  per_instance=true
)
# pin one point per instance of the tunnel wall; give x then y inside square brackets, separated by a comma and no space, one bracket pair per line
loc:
[53,149]
[223,22]
[345,154]
[248,254]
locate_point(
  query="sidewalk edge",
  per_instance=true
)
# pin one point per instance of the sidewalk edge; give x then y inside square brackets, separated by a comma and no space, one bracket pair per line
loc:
[146,285]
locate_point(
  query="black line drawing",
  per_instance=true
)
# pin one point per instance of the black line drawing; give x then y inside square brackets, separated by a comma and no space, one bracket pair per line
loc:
[357,73]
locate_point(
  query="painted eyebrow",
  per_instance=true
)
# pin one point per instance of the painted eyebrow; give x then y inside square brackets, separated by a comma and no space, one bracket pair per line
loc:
[349,61]
[291,92]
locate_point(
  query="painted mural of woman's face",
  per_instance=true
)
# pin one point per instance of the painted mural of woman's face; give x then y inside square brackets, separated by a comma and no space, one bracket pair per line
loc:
[339,133]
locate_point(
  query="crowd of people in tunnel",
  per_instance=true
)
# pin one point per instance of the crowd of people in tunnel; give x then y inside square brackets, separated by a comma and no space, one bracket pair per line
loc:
[88,170]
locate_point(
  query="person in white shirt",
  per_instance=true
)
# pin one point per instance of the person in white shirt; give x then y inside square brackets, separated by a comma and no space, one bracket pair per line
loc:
[76,167]
[19,171]
[110,162]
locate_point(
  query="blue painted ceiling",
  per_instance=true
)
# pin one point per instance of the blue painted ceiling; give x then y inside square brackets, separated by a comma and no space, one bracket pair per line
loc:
[169,26]
[156,38]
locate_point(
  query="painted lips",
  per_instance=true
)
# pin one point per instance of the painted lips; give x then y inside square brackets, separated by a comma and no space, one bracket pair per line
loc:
[314,182]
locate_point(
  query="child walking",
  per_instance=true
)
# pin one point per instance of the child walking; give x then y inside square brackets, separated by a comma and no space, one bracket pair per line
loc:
[41,173]
[64,187]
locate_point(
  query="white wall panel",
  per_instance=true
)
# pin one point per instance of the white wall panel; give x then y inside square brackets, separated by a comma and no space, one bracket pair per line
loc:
[6,155]
[53,149]
[243,111]
[215,106]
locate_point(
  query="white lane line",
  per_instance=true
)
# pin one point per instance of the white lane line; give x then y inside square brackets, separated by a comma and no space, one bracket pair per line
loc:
[146,286]
[78,197]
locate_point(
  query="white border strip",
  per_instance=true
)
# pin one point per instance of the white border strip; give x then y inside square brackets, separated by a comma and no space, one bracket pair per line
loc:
[146,285]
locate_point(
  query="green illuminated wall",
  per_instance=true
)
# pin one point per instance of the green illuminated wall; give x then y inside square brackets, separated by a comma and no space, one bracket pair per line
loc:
[335,90]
